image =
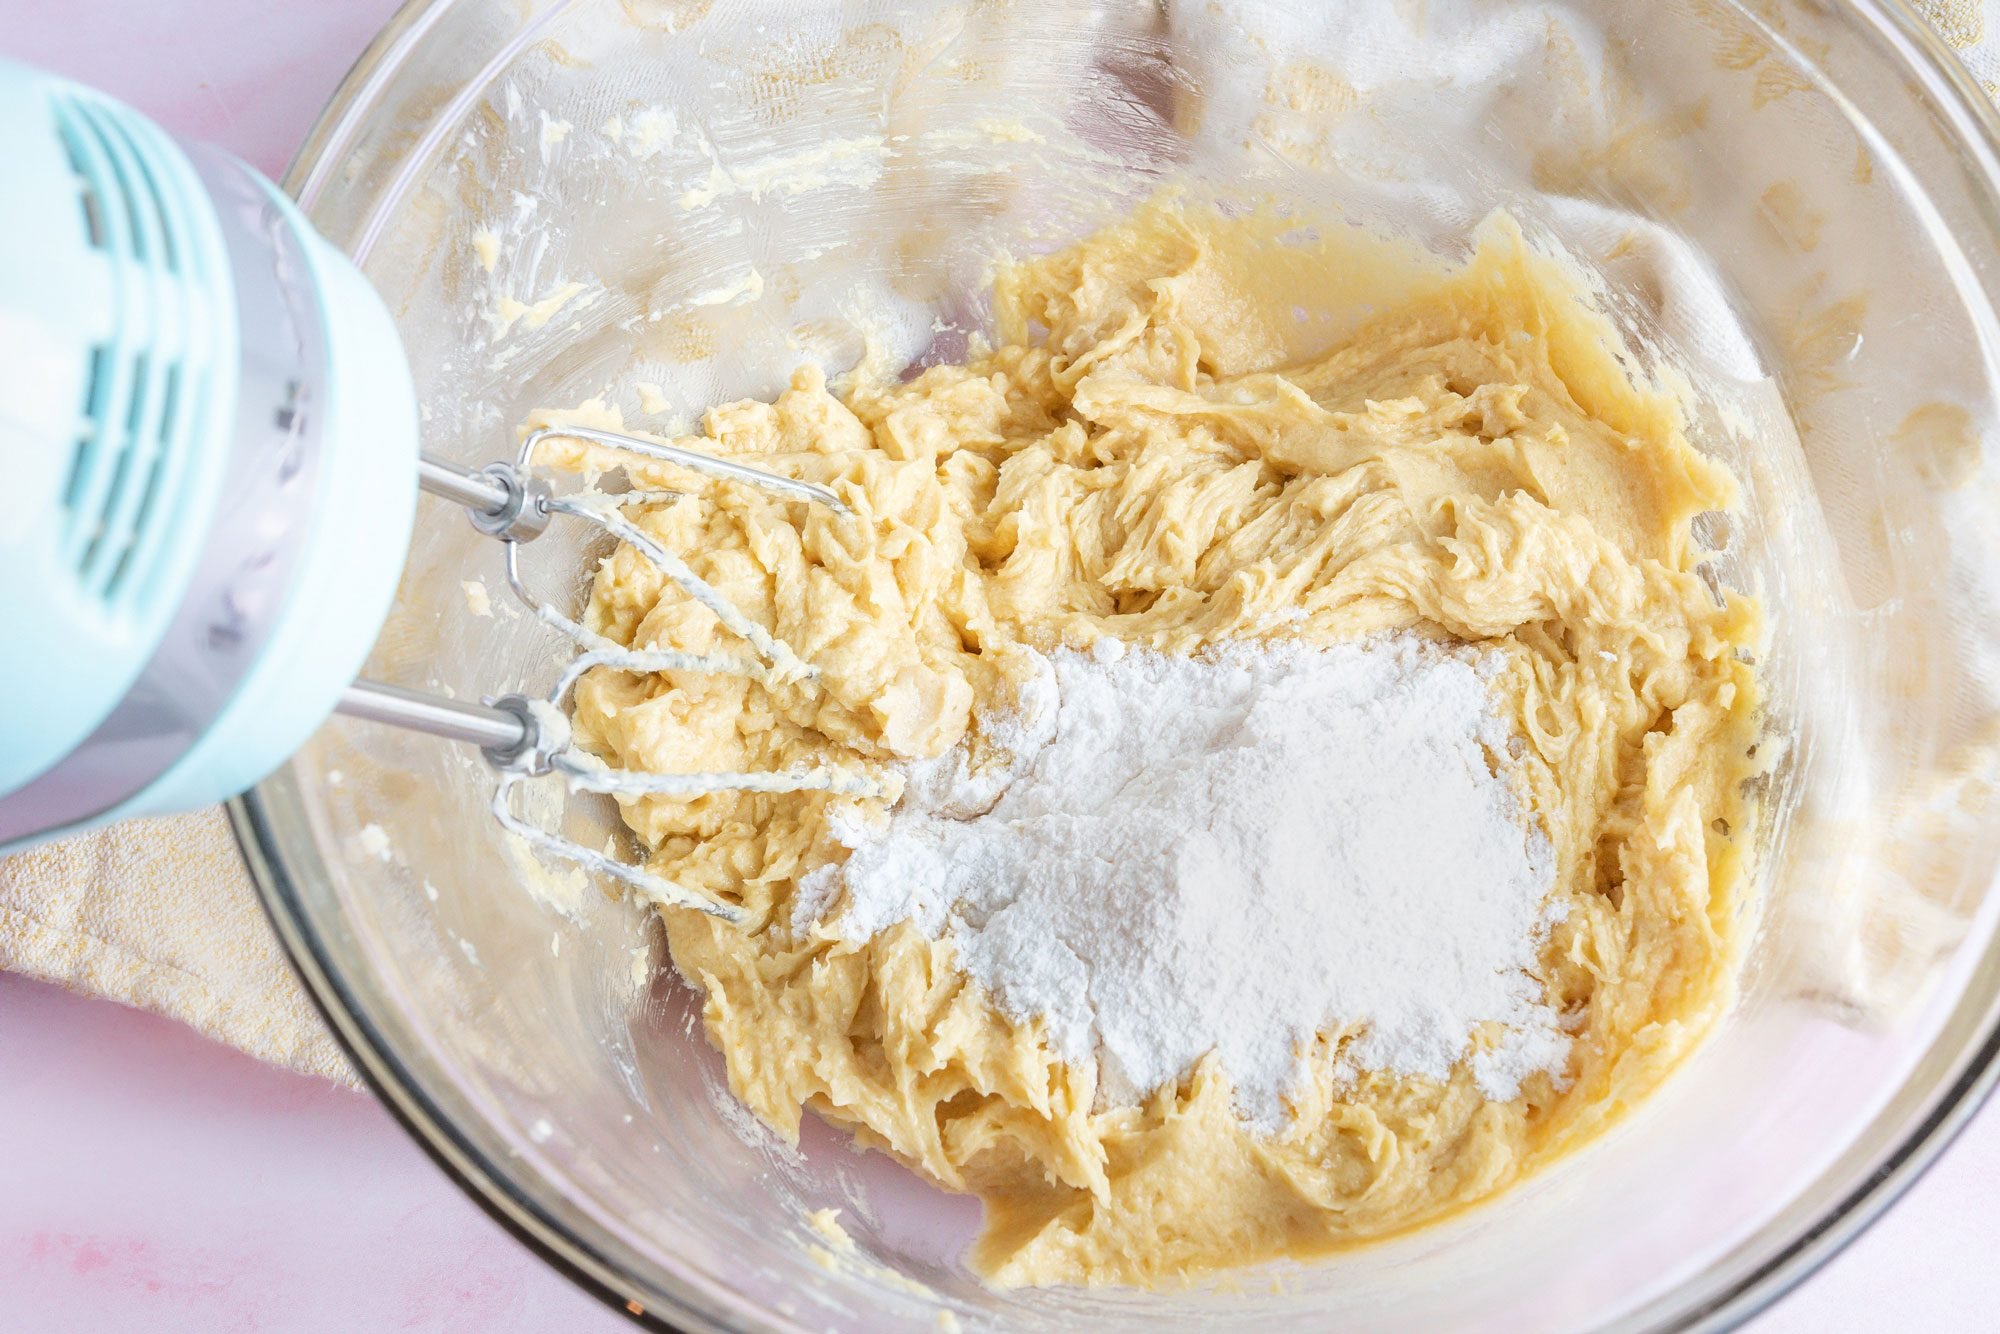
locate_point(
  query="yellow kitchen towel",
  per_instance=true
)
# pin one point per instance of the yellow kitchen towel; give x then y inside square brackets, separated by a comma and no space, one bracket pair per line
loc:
[161,914]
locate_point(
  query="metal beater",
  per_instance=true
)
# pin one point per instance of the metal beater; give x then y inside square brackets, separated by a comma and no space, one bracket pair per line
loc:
[526,736]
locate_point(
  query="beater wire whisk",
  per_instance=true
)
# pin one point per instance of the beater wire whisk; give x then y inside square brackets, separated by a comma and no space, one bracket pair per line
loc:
[526,737]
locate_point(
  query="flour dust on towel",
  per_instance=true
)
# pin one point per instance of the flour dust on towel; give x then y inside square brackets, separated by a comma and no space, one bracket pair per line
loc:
[1166,856]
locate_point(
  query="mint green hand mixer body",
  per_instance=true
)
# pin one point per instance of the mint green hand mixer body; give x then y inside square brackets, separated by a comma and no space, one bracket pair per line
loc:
[211,434]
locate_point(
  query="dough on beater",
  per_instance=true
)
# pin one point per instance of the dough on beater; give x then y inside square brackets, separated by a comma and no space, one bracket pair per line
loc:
[1183,437]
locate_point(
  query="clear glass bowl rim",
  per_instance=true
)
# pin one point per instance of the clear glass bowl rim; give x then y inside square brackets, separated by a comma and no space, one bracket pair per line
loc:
[1706,1301]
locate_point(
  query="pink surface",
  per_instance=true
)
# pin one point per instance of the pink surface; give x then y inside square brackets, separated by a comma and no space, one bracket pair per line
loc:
[151,1180]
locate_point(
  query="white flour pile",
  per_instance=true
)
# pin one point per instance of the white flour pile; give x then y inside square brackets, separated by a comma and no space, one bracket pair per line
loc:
[1231,855]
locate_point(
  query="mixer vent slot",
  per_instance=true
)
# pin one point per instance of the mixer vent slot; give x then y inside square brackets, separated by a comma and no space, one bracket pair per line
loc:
[86,188]
[93,215]
[100,356]
[142,399]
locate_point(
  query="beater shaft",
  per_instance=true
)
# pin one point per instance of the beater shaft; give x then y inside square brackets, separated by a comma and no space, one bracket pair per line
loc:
[501,500]
[462,486]
[490,727]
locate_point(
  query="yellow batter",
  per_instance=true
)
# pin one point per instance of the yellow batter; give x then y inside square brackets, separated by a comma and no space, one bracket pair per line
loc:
[1162,449]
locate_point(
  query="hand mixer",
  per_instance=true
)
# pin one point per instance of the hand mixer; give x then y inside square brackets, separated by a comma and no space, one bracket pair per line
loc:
[211,437]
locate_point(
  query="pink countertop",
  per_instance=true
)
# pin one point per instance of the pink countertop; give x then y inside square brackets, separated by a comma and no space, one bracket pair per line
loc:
[151,1180]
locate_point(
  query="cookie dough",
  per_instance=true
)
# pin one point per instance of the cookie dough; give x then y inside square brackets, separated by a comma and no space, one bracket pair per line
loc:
[1187,434]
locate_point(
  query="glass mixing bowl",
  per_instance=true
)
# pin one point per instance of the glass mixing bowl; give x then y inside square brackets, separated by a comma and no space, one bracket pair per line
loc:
[1795,208]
